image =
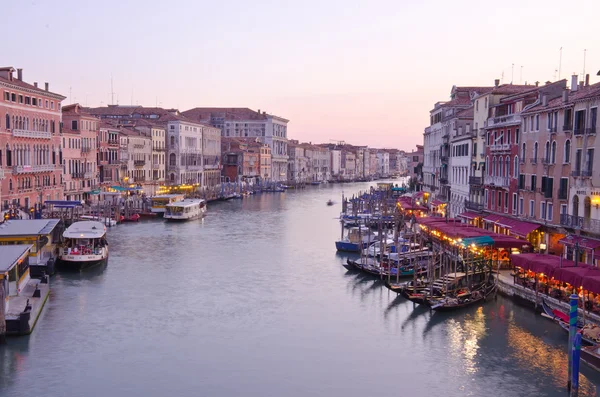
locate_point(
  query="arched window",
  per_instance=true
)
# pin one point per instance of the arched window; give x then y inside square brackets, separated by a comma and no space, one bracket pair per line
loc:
[10,185]
[523,151]
[553,153]
[535,152]
[567,156]
[507,165]
[493,170]
[7,121]
[487,165]
[500,171]
[575,207]
[547,152]
[172,142]
[172,159]
[516,167]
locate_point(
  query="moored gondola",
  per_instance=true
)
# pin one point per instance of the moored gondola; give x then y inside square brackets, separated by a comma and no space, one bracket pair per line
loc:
[469,298]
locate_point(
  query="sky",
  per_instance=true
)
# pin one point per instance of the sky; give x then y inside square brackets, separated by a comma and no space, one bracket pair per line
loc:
[363,72]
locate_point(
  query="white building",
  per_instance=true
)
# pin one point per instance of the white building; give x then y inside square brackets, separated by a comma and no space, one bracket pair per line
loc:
[211,154]
[244,122]
[336,162]
[184,150]
[383,164]
[139,155]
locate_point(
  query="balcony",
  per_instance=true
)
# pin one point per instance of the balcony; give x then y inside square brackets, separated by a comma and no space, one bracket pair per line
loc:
[113,141]
[581,173]
[500,147]
[475,180]
[138,179]
[552,130]
[473,205]
[25,169]
[533,160]
[472,133]
[444,159]
[159,149]
[579,222]
[504,120]
[568,127]
[86,149]
[444,181]
[138,145]
[501,181]
[31,134]
[445,139]
[88,175]
[579,131]
[590,131]
[139,163]
[77,175]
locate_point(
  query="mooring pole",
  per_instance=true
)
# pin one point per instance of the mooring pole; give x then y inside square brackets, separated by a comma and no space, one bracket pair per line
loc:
[576,353]
[572,331]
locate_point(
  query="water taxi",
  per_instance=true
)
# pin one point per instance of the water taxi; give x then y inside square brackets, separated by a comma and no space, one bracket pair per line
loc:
[160,202]
[107,221]
[186,210]
[85,245]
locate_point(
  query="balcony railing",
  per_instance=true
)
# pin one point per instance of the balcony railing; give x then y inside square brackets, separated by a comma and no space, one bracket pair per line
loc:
[579,131]
[567,127]
[85,149]
[581,173]
[31,134]
[113,141]
[77,175]
[139,163]
[533,160]
[586,224]
[444,159]
[445,138]
[24,169]
[475,180]
[88,175]
[139,179]
[500,147]
[473,205]
[444,181]
[552,129]
[501,181]
[504,120]
[589,131]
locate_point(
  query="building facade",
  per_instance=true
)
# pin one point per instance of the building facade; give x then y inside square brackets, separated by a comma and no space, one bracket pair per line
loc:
[30,142]
[108,155]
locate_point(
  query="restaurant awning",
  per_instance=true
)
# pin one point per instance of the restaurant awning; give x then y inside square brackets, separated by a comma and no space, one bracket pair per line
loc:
[540,263]
[584,242]
[516,227]
[491,218]
[418,194]
[478,241]
[470,215]
[437,203]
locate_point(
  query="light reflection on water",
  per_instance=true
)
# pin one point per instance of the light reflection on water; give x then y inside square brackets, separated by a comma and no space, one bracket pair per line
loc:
[254,301]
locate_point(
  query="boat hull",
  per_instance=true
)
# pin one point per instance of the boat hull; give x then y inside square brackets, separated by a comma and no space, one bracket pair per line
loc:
[346,246]
[590,356]
[78,265]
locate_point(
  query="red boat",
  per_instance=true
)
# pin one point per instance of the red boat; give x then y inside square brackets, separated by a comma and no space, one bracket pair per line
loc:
[131,218]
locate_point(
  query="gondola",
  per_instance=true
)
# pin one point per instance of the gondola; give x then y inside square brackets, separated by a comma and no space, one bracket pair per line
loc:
[365,269]
[469,299]
[329,202]
[562,319]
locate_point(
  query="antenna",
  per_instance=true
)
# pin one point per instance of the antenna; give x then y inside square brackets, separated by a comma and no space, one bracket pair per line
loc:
[512,73]
[131,96]
[71,94]
[583,76]
[503,77]
[559,62]
[112,92]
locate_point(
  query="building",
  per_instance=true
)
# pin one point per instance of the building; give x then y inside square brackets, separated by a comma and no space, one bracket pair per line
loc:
[155,130]
[383,164]
[108,155]
[244,122]
[415,163]
[318,162]
[241,159]
[211,155]
[297,162]
[459,162]
[348,165]
[80,152]
[184,149]
[30,142]
[138,159]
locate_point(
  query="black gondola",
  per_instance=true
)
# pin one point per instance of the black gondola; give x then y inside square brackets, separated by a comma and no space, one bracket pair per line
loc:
[472,298]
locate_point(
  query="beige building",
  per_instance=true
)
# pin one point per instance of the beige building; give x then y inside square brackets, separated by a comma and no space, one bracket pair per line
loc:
[138,159]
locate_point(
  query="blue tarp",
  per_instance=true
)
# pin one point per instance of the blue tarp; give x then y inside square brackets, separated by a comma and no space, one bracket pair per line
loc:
[477,241]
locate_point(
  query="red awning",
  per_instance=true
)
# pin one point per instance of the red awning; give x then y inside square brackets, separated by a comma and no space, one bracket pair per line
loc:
[418,194]
[522,229]
[491,218]
[575,275]
[584,242]
[470,215]
[592,284]
[541,263]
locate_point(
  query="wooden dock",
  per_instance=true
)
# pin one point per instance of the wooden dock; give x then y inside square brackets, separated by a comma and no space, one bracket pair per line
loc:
[25,309]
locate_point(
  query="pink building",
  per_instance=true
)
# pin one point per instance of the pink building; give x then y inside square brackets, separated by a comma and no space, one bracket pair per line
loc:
[108,155]
[30,154]
[80,148]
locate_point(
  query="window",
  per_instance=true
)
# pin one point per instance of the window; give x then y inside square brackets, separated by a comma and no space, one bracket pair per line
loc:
[514,204]
[505,201]
[543,210]
[549,208]
[533,182]
[547,153]
[516,167]
[20,98]
[520,205]
[521,181]
[6,96]
[593,119]
[535,152]
[563,209]
[499,200]
[531,209]
[517,136]
[537,122]
[7,121]
[553,153]
[563,189]
[523,151]
[590,160]
[567,154]
[525,124]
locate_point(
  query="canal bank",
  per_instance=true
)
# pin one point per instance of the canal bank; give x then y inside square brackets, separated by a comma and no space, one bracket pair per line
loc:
[254,300]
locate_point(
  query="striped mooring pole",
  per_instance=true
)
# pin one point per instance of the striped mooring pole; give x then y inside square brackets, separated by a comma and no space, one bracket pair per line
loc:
[573,300]
[576,353]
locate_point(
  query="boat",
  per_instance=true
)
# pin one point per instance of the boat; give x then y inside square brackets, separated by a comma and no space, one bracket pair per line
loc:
[329,202]
[465,297]
[106,221]
[130,218]
[356,239]
[315,183]
[366,265]
[158,203]
[591,356]
[85,245]
[590,333]
[186,210]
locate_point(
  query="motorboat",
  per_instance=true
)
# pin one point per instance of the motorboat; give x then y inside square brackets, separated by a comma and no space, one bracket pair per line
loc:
[186,210]
[85,245]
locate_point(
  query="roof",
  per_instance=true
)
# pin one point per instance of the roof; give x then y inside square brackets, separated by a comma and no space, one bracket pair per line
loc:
[186,203]
[179,117]
[10,255]
[22,84]
[581,94]
[207,114]
[27,227]
[85,229]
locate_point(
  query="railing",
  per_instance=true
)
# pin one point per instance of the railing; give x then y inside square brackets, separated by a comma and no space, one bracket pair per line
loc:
[139,163]
[587,224]
[85,149]
[472,133]
[533,160]
[473,205]
[552,129]
[138,145]
[482,132]
[475,180]
[581,173]
[579,131]
[159,149]
[502,181]
[444,159]
[499,147]
[31,134]
[88,175]
[77,175]
[547,161]
[23,169]
[589,131]
[501,120]
[445,139]
[444,181]
[567,127]
[139,179]
[113,141]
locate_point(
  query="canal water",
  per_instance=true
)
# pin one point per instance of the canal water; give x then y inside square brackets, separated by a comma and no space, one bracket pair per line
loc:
[254,301]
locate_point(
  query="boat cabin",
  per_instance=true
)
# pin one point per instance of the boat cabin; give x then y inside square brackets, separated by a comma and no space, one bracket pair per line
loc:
[44,235]
[14,270]
[160,202]
[186,209]
[85,238]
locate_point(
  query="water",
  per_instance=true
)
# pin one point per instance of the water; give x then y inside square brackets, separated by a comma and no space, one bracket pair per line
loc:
[253,301]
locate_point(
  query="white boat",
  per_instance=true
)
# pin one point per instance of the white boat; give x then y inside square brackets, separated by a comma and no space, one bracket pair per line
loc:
[85,245]
[106,221]
[160,202]
[186,210]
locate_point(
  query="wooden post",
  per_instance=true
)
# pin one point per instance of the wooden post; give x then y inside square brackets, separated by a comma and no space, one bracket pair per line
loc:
[2,315]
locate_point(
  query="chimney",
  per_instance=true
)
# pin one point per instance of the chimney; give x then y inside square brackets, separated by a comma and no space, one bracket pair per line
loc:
[545,100]
[35,84]
[587,80]
[537,83]
[47,86]
[258,111]
[20,74]
[565,95]
[574,83]
[496,82]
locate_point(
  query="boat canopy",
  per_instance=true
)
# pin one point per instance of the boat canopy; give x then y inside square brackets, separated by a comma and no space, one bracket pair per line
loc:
[85,229]
[477,241]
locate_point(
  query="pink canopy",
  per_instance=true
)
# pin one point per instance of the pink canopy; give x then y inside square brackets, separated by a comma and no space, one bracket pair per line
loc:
[540,263]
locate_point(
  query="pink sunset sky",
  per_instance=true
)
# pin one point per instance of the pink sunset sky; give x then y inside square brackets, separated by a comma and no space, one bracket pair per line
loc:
[363,72]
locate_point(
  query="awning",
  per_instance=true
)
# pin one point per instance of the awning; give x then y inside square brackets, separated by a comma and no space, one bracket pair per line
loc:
[522,228]
[418,194]
[584,242]
[540,263]
[478,241]
[470,215]
[491,218]
[437,203]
